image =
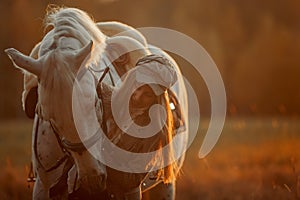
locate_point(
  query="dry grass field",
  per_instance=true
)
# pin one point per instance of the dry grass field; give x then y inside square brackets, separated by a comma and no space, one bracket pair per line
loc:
[254,159]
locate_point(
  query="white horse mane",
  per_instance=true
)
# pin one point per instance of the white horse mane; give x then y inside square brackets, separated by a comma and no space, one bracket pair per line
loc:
[72,31]
[73,22]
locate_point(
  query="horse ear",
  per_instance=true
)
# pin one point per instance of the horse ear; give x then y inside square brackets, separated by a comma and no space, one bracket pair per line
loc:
[82,53]
[24,62]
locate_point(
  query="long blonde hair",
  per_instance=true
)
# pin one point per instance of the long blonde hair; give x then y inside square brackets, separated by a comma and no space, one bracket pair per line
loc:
[167,171]
[170,171]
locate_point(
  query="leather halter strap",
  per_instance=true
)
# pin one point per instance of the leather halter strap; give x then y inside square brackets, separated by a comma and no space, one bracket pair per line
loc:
[80,147]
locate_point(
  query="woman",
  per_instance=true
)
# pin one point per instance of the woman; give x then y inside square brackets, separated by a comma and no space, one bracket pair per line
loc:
[132,105]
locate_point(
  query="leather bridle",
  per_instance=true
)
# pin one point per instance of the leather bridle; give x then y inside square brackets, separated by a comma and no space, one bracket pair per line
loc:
[80,147]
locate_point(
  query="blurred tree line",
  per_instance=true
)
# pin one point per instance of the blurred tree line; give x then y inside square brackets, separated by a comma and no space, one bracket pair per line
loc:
[255,45]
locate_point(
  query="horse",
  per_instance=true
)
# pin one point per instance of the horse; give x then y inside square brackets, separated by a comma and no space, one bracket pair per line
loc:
[45,126]
[74,38]
[49,169]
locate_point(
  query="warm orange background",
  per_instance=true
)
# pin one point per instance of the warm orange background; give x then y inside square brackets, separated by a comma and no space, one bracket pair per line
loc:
[256,46]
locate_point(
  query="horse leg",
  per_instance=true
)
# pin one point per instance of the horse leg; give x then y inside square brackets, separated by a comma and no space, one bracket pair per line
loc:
[161,192]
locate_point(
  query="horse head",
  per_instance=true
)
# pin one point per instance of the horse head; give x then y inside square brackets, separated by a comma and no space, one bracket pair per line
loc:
[66,51]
